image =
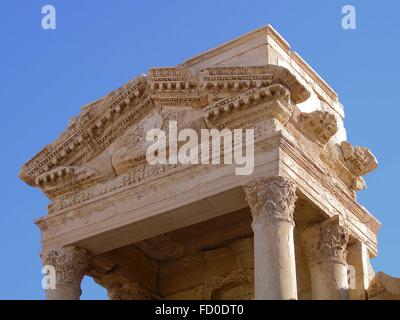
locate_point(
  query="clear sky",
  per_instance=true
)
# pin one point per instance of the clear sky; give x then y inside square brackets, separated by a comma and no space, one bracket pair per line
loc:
[45,76]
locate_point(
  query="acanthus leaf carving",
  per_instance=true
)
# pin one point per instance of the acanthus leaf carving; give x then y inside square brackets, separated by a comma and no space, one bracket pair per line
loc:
[70,263]
[327,241]
[271,198]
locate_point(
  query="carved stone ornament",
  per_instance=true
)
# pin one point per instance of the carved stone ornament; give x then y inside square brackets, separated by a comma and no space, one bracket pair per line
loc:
[271,198]
[129,291]
[359,160]
[70,263]
[318,126]
[327,241]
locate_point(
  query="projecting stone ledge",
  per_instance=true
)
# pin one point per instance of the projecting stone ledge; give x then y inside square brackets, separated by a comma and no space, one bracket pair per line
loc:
[384,287]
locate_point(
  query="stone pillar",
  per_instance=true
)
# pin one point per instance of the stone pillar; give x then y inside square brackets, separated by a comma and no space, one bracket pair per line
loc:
[129,291]
[69,264]
[325,246]
[359,271]
[271,201]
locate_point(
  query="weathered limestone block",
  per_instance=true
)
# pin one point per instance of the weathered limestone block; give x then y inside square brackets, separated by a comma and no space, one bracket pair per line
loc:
[360,270]
[271,201]
[359,160]
[384,287]
[70,264]
[243,253]
[193,270]
[318,126]
[129,291]
[238,285]
[325,245]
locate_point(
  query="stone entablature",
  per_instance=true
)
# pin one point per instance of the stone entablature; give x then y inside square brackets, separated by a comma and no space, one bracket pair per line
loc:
[64,171]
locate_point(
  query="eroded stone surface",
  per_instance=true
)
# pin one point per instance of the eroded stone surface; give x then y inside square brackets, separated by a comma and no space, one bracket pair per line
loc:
[384,287]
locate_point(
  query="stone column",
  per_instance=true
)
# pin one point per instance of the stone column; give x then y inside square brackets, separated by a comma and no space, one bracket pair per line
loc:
[271,201]
[359,271]
[129,291]
[69,264]
[325,246]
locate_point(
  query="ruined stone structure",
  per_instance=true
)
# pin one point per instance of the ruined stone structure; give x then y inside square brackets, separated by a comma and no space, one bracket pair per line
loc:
[290,230]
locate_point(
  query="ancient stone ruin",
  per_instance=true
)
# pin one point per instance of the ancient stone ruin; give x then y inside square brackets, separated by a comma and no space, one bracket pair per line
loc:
[292,229]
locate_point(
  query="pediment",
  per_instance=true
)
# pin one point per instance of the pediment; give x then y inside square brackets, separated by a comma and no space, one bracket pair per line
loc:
[164,92]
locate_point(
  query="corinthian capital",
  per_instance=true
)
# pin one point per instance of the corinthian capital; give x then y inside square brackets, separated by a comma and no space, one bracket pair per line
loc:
[272,197]
[327,241]
[69,263]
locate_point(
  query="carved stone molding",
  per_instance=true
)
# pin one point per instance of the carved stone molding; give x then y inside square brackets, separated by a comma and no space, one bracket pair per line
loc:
[70,263]
[250,107]
[271,198]
[327,241]
[66,180]
[318,126]
[129,291]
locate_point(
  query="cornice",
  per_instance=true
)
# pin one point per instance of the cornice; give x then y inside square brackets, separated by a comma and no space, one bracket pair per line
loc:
[321,173]
[265,31]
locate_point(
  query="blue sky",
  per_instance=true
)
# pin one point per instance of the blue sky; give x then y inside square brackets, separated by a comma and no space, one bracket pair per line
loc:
[45,76]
